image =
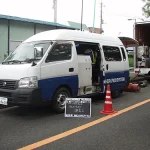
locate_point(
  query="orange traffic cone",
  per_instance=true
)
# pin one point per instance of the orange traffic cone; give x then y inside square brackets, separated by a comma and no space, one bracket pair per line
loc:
[108,108]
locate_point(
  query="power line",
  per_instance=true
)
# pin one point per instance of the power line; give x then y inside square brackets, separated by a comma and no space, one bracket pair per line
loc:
[119,14]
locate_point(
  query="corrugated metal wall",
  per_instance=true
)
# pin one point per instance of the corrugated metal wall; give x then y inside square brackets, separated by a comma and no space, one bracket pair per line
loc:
[3,38]
[21,30]
[18,32]
[41,28]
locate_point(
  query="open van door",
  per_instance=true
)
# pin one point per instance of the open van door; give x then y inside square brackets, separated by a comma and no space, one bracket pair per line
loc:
[102,70]
[114,68]
[125,63]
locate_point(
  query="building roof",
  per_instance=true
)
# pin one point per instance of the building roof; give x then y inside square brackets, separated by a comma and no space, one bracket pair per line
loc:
[34,21]
[77,25]
[74,35]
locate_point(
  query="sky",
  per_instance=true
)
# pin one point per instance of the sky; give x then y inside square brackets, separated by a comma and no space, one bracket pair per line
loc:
[115,12]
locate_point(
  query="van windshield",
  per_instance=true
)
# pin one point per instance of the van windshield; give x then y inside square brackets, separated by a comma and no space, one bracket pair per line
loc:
[27,52]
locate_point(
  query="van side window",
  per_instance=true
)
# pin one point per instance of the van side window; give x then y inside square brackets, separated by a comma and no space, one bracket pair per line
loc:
[112,53]
[60,52]
[123,53]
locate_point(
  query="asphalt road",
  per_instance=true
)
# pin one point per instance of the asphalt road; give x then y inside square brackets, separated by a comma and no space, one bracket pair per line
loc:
[130,130]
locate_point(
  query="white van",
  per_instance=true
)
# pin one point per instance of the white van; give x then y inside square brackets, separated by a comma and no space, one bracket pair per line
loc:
[53,65]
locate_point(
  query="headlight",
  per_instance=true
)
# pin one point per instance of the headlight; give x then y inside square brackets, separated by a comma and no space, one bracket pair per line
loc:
[31,82]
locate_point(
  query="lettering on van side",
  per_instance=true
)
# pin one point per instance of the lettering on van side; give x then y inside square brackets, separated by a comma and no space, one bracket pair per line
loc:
[114,80]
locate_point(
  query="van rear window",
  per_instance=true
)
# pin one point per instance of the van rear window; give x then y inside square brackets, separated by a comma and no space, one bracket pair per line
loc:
[112,53]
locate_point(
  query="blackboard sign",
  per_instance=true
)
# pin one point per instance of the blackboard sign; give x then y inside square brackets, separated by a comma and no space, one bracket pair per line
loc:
[78,107]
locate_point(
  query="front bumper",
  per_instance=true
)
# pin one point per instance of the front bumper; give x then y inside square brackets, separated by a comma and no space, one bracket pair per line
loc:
[22,96]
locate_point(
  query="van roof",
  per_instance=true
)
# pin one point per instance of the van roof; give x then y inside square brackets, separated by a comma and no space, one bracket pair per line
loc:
[74,35]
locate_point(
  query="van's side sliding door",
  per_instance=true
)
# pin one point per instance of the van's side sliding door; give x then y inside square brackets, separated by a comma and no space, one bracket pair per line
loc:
[113,67]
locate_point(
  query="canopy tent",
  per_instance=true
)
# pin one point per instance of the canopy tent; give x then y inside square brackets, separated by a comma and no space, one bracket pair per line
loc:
[129,42]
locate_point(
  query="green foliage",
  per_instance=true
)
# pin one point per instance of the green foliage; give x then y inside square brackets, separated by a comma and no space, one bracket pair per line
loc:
[146,8]
[131,60]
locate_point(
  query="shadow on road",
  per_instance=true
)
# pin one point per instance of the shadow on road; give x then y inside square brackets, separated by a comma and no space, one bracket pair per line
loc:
[44,111]
[25,112]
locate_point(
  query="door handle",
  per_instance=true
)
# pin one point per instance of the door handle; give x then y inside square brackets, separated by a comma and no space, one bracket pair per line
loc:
[71,69]
[107,66]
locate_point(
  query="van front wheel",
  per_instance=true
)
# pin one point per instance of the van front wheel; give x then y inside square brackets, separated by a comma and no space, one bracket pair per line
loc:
[59,99]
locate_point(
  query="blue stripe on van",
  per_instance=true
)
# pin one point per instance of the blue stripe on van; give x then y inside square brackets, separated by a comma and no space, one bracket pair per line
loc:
[49,86]
[115,75]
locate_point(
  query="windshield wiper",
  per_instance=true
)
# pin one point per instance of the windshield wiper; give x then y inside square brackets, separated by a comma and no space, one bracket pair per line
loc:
[13,61]
[18,61]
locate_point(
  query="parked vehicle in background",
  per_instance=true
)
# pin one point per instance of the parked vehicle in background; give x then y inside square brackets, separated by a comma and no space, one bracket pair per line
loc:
[142,53]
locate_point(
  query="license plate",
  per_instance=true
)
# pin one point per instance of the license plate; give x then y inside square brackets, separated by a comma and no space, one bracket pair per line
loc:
[3,101]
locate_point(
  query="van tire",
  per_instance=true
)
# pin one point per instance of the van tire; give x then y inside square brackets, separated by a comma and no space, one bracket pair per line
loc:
[58,102]
[121,91]
[115,94]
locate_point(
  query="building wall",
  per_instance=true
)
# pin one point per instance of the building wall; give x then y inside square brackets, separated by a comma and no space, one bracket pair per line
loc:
[3,38]
[21,30]
[41,28]
[18,31]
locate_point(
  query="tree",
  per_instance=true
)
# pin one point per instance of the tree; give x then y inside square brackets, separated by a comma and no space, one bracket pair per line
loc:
[146,8]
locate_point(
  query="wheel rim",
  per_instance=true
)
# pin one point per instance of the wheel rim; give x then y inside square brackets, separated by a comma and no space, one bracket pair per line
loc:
[61,99]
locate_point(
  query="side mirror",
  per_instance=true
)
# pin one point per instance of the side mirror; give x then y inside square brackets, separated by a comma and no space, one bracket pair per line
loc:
[38,51]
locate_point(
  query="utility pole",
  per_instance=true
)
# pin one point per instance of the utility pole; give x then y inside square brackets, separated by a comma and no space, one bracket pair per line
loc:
[101,16]
[55,10]
[81,14]
[94,16]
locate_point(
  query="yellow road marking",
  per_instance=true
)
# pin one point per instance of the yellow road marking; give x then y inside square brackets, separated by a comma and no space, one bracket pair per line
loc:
[80,128]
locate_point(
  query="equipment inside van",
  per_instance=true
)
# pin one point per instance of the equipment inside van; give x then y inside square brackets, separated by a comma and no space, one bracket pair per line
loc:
[53,65]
